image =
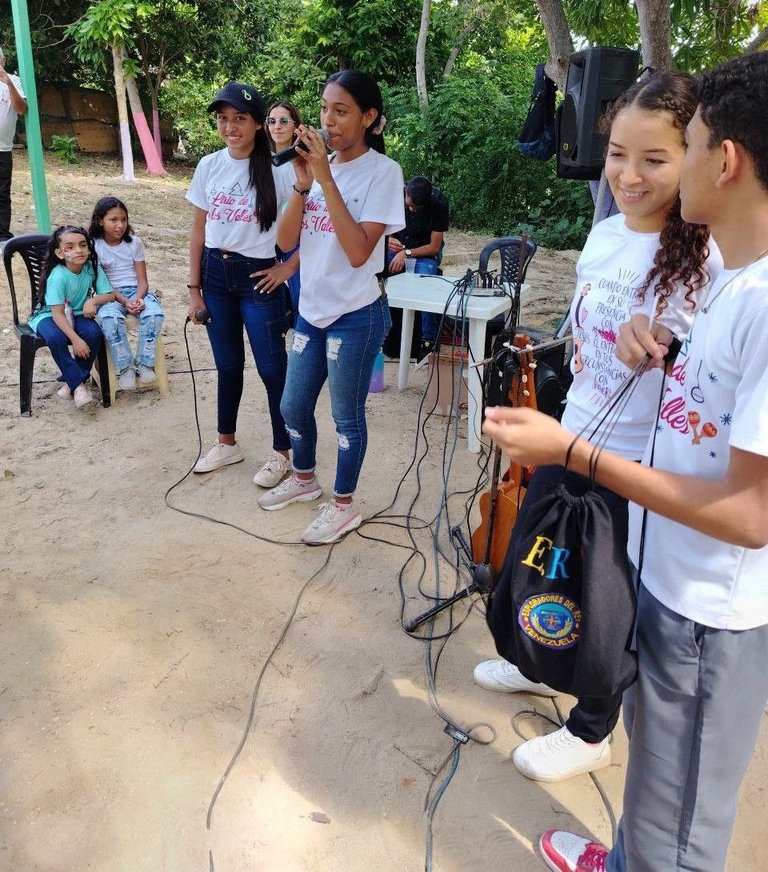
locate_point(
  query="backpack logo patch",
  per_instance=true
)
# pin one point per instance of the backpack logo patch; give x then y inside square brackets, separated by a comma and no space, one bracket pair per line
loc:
[551,620]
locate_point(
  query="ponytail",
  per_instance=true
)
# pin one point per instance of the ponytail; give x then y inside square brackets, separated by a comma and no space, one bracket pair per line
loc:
[262,181]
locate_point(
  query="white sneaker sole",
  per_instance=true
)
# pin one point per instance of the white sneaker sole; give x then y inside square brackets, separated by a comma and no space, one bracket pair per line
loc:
[274,483]
[502,688]
[339,534]
[298,498]
[554,778]
[230,462]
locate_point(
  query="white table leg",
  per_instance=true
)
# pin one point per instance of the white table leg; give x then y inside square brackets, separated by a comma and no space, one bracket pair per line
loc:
[406,338]
[475,384]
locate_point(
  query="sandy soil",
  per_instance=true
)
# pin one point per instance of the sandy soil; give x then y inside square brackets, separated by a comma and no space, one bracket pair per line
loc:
[132,636]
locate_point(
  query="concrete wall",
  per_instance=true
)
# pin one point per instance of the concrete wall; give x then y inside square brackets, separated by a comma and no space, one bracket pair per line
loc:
[91,116]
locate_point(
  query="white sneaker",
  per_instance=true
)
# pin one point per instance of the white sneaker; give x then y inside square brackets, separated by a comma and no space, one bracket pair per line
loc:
[333,522]
[64,392]
[83,396]
[273,471]
[146,374]
[560,755]
[292,490]
[505,677]
[127,379]
[219,455]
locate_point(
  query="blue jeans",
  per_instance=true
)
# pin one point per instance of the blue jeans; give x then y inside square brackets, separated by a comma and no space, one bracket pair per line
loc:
[233,303]
[430,321]
[74,370]
[343,353]
[111,319]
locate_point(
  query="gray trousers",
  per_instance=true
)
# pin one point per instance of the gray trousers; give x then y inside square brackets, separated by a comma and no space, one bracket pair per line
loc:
[692,719]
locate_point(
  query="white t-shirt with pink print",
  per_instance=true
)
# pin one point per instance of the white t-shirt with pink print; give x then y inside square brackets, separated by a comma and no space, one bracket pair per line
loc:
[221,186]
[609,274]
[716,399]
[372,189]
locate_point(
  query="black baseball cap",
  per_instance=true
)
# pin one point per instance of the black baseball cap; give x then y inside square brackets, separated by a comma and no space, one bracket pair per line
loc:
[245,98]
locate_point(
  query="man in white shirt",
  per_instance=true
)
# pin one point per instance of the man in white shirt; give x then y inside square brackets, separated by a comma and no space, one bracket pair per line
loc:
[12,104]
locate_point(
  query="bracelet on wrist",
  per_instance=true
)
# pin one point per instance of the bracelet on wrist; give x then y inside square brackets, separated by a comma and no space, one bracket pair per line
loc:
[300,192]
[194,287]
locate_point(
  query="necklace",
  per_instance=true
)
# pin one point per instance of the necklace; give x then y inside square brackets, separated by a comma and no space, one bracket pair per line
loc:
[708,303]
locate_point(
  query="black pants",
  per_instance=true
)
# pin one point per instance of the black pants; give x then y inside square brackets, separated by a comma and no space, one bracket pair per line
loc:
[593,718]
[6,171]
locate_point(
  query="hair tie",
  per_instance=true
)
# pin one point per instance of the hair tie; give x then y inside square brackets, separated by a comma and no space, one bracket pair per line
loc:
[379,128]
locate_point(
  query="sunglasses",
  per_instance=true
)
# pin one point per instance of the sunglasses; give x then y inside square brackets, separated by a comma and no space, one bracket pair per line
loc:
[283,121]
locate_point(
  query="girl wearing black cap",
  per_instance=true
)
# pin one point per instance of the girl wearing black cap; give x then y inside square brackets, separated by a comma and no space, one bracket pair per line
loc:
[233,274]
[339,211]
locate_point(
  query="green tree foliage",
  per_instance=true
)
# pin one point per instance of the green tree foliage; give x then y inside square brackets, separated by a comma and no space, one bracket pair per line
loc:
[466,145]
[480,60]
[704,32]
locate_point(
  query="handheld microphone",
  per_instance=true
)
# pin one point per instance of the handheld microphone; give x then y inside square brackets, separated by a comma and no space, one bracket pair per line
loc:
[202,316]
[288,154]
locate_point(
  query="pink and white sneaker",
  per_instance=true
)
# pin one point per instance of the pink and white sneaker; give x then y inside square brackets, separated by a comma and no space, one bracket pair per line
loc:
[566,852]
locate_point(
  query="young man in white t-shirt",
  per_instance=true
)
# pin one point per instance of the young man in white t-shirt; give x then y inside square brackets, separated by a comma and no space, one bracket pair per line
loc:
[12,104]
[702,627]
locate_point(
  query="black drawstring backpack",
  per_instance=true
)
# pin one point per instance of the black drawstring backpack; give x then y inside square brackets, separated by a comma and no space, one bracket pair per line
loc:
[537,138]
[563,608]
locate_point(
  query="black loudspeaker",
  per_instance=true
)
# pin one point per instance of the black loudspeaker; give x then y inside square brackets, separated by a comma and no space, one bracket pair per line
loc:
[596,77]
[552,376]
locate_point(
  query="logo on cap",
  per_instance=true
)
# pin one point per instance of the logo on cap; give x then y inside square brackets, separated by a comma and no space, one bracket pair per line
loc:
[246,95]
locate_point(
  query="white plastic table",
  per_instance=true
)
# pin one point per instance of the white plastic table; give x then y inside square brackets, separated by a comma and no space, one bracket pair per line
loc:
[412,292]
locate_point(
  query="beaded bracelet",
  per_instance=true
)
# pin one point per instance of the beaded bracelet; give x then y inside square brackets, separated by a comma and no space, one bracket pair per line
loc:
[300,193]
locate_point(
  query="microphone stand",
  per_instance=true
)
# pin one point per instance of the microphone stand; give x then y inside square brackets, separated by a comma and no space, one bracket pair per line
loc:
[482,582]
[482,575]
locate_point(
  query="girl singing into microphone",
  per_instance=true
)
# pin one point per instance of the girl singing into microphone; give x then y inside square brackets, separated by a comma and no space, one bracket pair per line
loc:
[339,212]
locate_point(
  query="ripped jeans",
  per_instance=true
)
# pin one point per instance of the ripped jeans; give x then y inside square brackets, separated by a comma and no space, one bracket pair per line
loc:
[344,354]
[111,318]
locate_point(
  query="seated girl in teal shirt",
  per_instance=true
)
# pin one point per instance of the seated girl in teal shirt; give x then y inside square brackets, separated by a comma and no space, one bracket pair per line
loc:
[72,288]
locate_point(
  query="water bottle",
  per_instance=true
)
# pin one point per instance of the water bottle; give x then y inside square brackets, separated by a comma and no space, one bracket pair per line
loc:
[377,377]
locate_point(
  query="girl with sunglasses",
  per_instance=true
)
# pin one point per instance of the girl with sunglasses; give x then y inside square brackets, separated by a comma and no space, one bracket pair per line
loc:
[283,120]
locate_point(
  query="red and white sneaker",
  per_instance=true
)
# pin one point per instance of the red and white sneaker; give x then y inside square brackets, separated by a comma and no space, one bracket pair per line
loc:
[567,852]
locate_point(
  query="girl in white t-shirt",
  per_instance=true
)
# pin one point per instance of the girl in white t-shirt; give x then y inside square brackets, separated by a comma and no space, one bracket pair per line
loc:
[122,257]
[644,260]
[340,209]
[234,282]
[283,120]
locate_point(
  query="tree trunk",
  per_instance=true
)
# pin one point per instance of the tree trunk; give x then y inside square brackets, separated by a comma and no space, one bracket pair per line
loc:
[458,45]
[758,42]
[655,33]
[421,51]
[122,113]
[156,134]
[151,155]
[558,38]
[153,83]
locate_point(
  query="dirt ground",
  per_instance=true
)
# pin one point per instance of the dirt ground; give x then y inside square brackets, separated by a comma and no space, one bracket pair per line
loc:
[132,637]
